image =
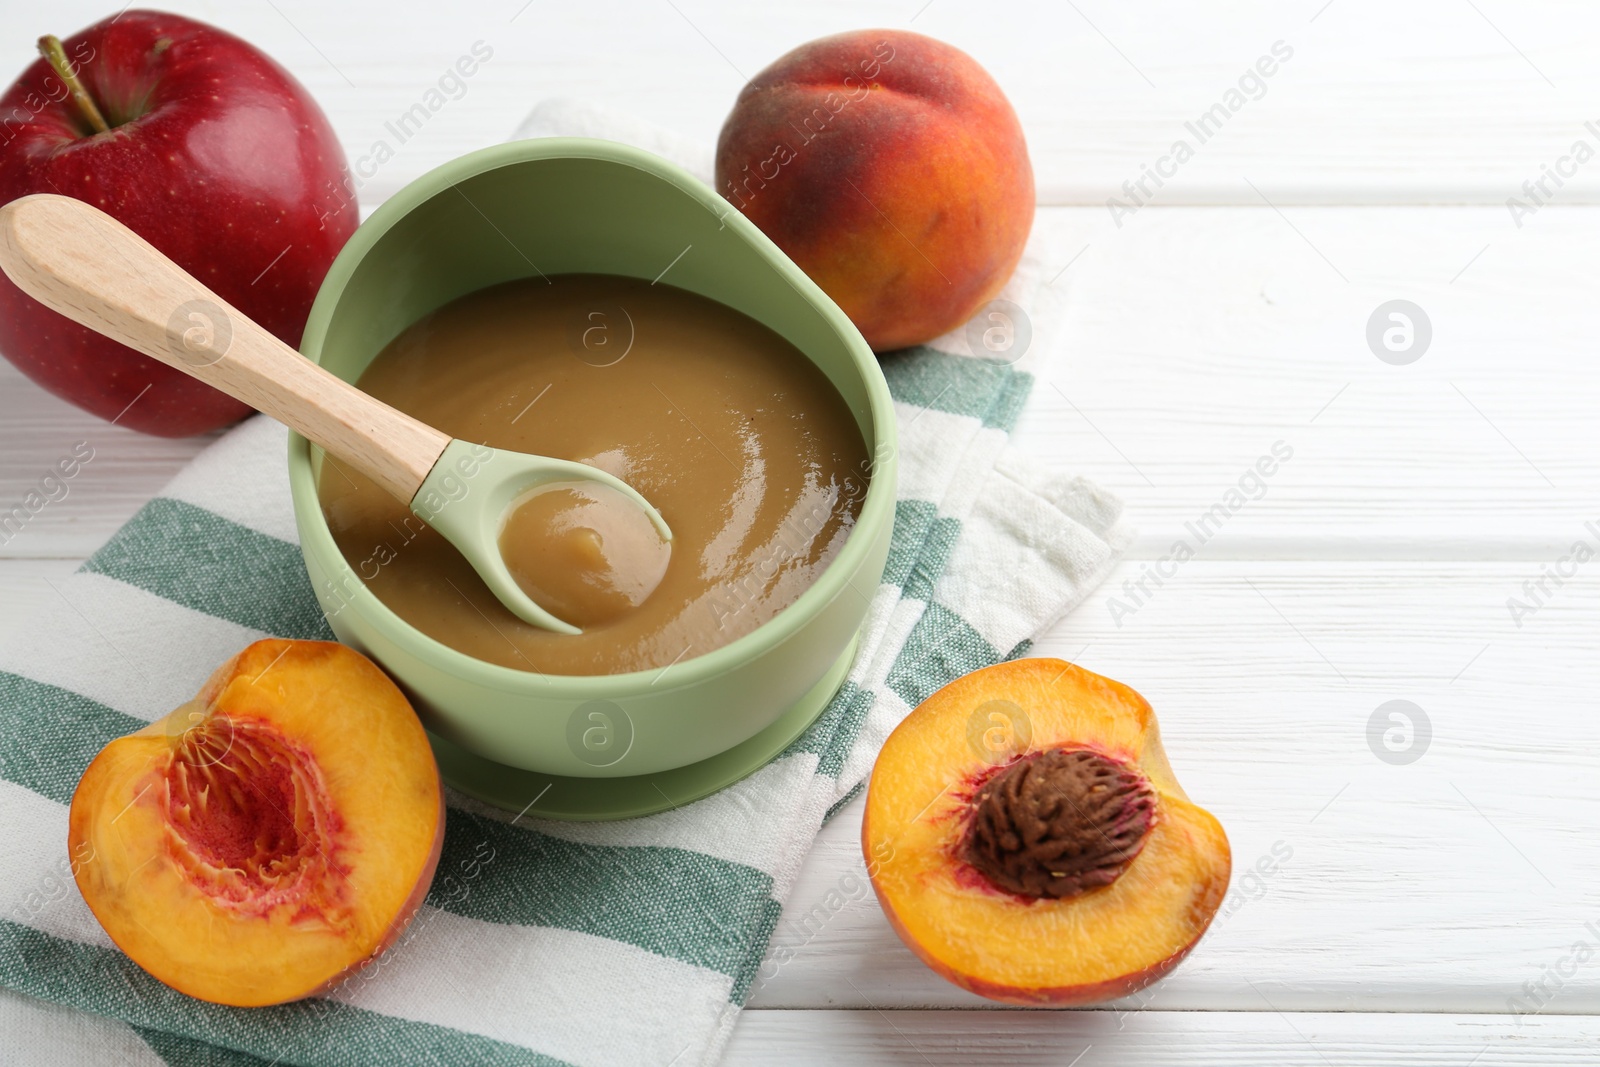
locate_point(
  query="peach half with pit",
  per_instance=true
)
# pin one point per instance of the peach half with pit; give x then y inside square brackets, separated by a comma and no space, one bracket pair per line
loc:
[269,837]
[1028,841]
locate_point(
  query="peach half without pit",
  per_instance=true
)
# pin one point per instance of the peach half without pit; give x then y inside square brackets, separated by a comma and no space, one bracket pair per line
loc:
[271,836]
[1028,841]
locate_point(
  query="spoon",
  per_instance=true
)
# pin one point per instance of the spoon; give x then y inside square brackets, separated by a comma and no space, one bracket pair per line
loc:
[77,260]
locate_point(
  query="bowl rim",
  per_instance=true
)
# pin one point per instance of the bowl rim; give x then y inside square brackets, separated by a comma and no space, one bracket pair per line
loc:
[877,508]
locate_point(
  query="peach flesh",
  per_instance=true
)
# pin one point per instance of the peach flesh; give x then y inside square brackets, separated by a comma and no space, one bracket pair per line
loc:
[269,838]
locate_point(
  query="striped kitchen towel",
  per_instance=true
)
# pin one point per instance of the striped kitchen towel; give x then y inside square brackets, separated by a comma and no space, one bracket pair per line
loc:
[620,943]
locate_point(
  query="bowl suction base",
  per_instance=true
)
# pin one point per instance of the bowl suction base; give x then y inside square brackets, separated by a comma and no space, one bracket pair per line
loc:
[551,796]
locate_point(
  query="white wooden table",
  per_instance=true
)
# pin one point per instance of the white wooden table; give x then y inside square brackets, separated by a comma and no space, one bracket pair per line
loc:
[1421,900]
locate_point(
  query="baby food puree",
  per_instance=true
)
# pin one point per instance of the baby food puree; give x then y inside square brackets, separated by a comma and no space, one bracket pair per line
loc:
[746,449]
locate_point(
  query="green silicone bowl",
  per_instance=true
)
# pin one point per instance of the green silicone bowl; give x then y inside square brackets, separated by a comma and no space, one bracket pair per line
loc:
[625,744]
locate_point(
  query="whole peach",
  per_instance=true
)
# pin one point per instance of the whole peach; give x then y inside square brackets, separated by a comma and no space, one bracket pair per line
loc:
[891,168]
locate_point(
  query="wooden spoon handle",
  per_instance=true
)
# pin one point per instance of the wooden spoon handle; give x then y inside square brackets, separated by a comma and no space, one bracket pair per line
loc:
[77,260]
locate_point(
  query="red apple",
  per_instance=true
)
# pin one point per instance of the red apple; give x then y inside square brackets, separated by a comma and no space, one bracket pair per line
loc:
[204,147]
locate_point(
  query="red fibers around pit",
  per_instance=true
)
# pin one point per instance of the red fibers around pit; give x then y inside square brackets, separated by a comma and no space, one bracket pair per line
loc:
[249,819]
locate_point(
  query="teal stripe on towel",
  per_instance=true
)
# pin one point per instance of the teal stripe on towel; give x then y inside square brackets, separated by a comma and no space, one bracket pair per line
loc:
[48,735]
[676,903]
[200,560]
[942,646]
[178,1051]
[830,737]
[991,392]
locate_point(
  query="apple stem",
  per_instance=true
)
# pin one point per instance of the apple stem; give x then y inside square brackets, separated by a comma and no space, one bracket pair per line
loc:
[56,56]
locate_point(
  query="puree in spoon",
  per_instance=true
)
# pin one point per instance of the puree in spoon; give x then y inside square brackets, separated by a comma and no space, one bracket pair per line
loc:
[585,552]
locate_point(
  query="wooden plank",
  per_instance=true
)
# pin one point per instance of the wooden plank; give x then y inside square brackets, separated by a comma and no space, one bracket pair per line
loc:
[1441,885]
[71,518]
[1157,1039]
[1426,102]
[1195,339]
